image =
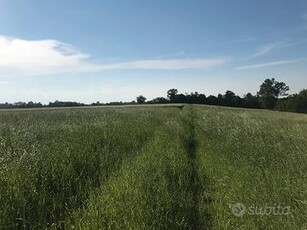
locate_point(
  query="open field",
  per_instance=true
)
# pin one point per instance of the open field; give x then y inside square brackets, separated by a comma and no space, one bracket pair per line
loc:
[153,167]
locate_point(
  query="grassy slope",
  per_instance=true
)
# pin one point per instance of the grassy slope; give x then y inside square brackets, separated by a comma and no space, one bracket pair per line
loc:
[151,167]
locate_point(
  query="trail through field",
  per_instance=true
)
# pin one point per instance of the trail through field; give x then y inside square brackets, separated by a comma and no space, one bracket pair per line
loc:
[157,189]
[191,150]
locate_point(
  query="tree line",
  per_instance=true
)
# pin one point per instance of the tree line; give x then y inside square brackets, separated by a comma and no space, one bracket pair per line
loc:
[272,94]
[31,104]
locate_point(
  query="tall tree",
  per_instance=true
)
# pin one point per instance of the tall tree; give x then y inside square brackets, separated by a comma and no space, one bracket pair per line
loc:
[269,92]
[141,99]
[171,94]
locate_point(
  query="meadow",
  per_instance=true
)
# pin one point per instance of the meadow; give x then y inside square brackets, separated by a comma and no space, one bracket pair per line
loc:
[153,167]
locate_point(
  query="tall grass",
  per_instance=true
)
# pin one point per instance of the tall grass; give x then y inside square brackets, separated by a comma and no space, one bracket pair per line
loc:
[170,167]
[52,160]
[151,191]
[255,158]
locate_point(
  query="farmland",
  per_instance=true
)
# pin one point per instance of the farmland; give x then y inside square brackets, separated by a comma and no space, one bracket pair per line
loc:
[152,167]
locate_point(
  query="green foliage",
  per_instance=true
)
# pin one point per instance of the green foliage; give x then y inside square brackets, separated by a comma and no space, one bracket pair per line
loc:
[294,103]
[270,90]
[172,93]
[140,99]
[267,97]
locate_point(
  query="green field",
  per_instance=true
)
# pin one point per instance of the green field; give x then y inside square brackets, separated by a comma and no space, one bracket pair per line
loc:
[153,167]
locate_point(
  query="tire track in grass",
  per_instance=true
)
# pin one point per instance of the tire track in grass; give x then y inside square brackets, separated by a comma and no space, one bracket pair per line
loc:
[159,188]
[152,190]
[197,185]
[190,148]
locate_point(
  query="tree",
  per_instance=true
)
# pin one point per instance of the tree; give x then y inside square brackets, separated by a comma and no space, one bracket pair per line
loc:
[231,99]
[141,99]
[301,102]
[30,104]
[171,94]
[179,98]
[269,92]
[212,100]
[20,104]
[159,100]
[294,103]
[251,101]
[229,95]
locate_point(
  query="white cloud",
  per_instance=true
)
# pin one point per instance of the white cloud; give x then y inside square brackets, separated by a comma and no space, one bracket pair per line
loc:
[266,49]
[39,57]
[268,64]
[275,46]
[165,64]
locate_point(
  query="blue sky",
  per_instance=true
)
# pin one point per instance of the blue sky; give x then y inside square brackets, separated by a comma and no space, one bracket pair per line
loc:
[115,50]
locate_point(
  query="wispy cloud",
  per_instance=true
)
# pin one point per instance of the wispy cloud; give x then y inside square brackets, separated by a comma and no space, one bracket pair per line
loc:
[268,64]
[286,45]
[165,64]
[266,49]
[275,46]
[39,57]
